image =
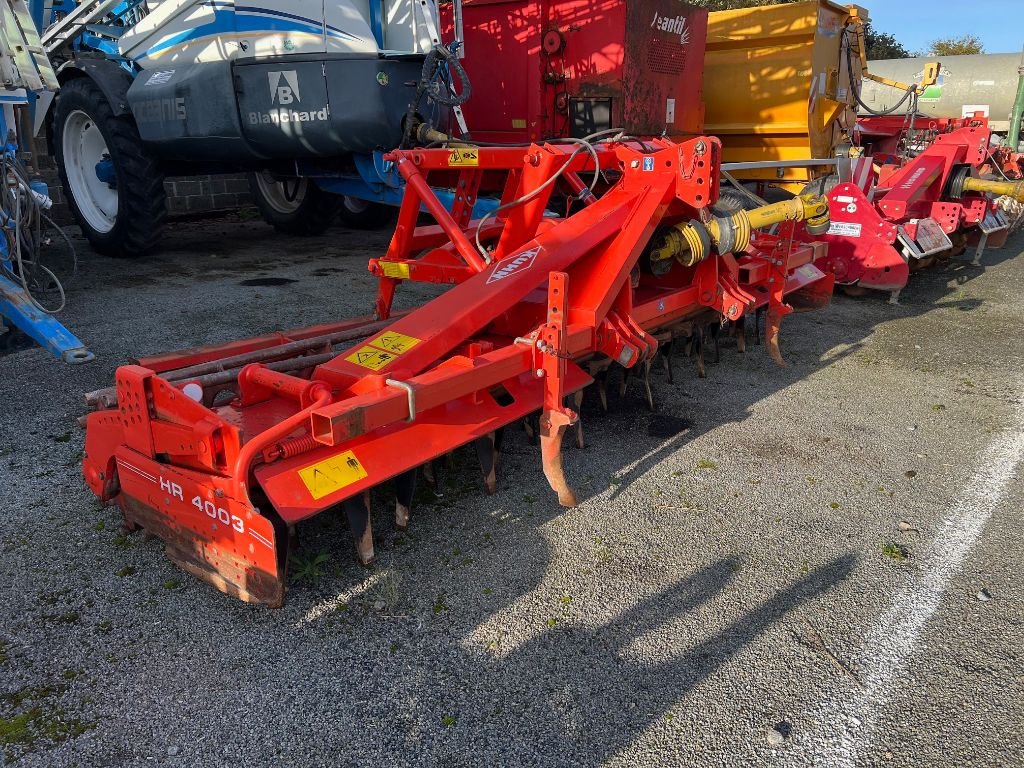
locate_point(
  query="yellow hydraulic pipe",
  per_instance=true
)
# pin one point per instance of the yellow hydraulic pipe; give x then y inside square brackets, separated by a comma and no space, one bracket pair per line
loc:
[1014,189]
[690,243]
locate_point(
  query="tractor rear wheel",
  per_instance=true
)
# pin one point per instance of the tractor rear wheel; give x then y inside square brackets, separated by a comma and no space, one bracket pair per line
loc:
[114,187]
[294,206]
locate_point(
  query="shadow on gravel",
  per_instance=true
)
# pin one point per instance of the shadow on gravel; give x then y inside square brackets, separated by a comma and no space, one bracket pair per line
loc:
[596,707]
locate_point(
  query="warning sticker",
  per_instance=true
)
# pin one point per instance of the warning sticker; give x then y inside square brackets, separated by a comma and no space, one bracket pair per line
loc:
[397,270]
[464,157]
[845,229]
[371,357]
[333,474]
[395,343]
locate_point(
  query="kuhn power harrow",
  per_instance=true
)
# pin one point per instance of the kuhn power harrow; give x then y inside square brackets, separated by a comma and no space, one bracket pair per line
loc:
[912,202]
[222,451]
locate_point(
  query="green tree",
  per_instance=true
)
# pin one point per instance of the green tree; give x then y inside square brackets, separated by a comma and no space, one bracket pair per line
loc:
[882,45]
[964,45]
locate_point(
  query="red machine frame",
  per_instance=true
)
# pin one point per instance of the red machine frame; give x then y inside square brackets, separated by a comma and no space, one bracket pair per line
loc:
[307,429]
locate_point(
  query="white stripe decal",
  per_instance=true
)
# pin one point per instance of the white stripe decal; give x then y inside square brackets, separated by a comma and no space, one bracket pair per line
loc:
[136,470]
[261,538]
[846,726]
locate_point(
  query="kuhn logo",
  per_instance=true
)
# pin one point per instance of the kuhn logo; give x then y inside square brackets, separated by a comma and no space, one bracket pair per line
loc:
[284,87]
[513,265]
[674,26]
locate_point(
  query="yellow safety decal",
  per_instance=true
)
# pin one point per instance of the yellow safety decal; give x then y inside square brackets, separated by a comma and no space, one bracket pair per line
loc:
[371,357]
[397,271]
[333,474]
[395,343]
[463,157]
[518,123]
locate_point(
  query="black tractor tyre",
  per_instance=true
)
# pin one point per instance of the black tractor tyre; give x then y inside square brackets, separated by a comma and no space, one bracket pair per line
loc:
[125,218]
[293,206]
[362,214]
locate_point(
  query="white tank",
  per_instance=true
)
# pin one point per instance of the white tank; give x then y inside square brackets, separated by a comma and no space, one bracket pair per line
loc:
[967,84]
[198,31]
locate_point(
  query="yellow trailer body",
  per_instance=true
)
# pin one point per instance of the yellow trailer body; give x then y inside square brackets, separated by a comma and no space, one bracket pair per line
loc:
[777,86]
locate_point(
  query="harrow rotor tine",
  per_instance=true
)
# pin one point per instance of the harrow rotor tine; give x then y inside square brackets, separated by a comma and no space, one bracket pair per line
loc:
[758,315]
[405,488]
[739,331]
[602,388]
[434,472]
[771,335]
[577,400]
[666,360]
[714,332]
[698,343]
[487,453]
[531,425]
[552,429]
[624,382]
[648,392]
[357,510]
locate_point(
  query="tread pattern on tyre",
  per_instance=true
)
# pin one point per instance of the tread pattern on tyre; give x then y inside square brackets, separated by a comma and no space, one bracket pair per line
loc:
[141,199]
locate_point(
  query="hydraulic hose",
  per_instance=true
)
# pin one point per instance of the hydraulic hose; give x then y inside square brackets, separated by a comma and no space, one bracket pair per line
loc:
[692,242]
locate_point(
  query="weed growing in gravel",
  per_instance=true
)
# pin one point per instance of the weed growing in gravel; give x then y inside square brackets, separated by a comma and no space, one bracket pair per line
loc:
[565,599]
[21,731]
[310,569]
[440,606]
[99,526]
[706,464]
[104,627]
[4,647]
[122,542]
[488,591]
[172,584]
[834,505]
[938,407]
[128,570]
[603,551]
[71,617]
[551,622]
[895,551]
[449,720]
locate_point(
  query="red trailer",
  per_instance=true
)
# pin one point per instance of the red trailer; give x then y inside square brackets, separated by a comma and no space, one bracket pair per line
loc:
[556,68]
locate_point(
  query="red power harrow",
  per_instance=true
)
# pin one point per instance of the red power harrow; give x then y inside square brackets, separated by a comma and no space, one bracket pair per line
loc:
[222,451]
[908,212]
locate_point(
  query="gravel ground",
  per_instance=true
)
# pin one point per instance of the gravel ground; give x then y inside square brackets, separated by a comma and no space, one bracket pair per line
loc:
[728,595]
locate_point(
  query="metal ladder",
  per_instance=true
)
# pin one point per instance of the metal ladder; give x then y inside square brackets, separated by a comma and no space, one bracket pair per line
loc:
[64,31]
[23,59]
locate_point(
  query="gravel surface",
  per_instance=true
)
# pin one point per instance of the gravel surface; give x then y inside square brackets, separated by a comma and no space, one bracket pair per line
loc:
[780,567]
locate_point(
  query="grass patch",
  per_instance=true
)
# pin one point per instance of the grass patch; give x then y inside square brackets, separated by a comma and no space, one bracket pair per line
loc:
[310,569]
[895,551]
[128,570]
[706,464]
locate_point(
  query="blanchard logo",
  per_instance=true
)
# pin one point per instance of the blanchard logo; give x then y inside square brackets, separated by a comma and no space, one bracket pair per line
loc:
[674,26]
[513,265]
[284,91]
[284,87]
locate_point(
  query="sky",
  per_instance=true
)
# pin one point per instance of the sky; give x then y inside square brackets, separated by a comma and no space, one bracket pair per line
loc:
[915,23]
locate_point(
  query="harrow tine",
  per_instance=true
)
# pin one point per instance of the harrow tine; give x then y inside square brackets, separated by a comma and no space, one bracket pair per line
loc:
[577,400]
[758,315]
[487,453]
[666,360]
[713,331]
[624,381]
[602,388]
[434,471]
[773,321]
[552,428]
[739,331]
[648,392]
[698,345]
[531,425]
[357,510]
[405,488]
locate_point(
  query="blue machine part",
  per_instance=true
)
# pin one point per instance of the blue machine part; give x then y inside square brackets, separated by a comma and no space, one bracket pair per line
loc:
[17,306]
[378,182]
[105,172]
